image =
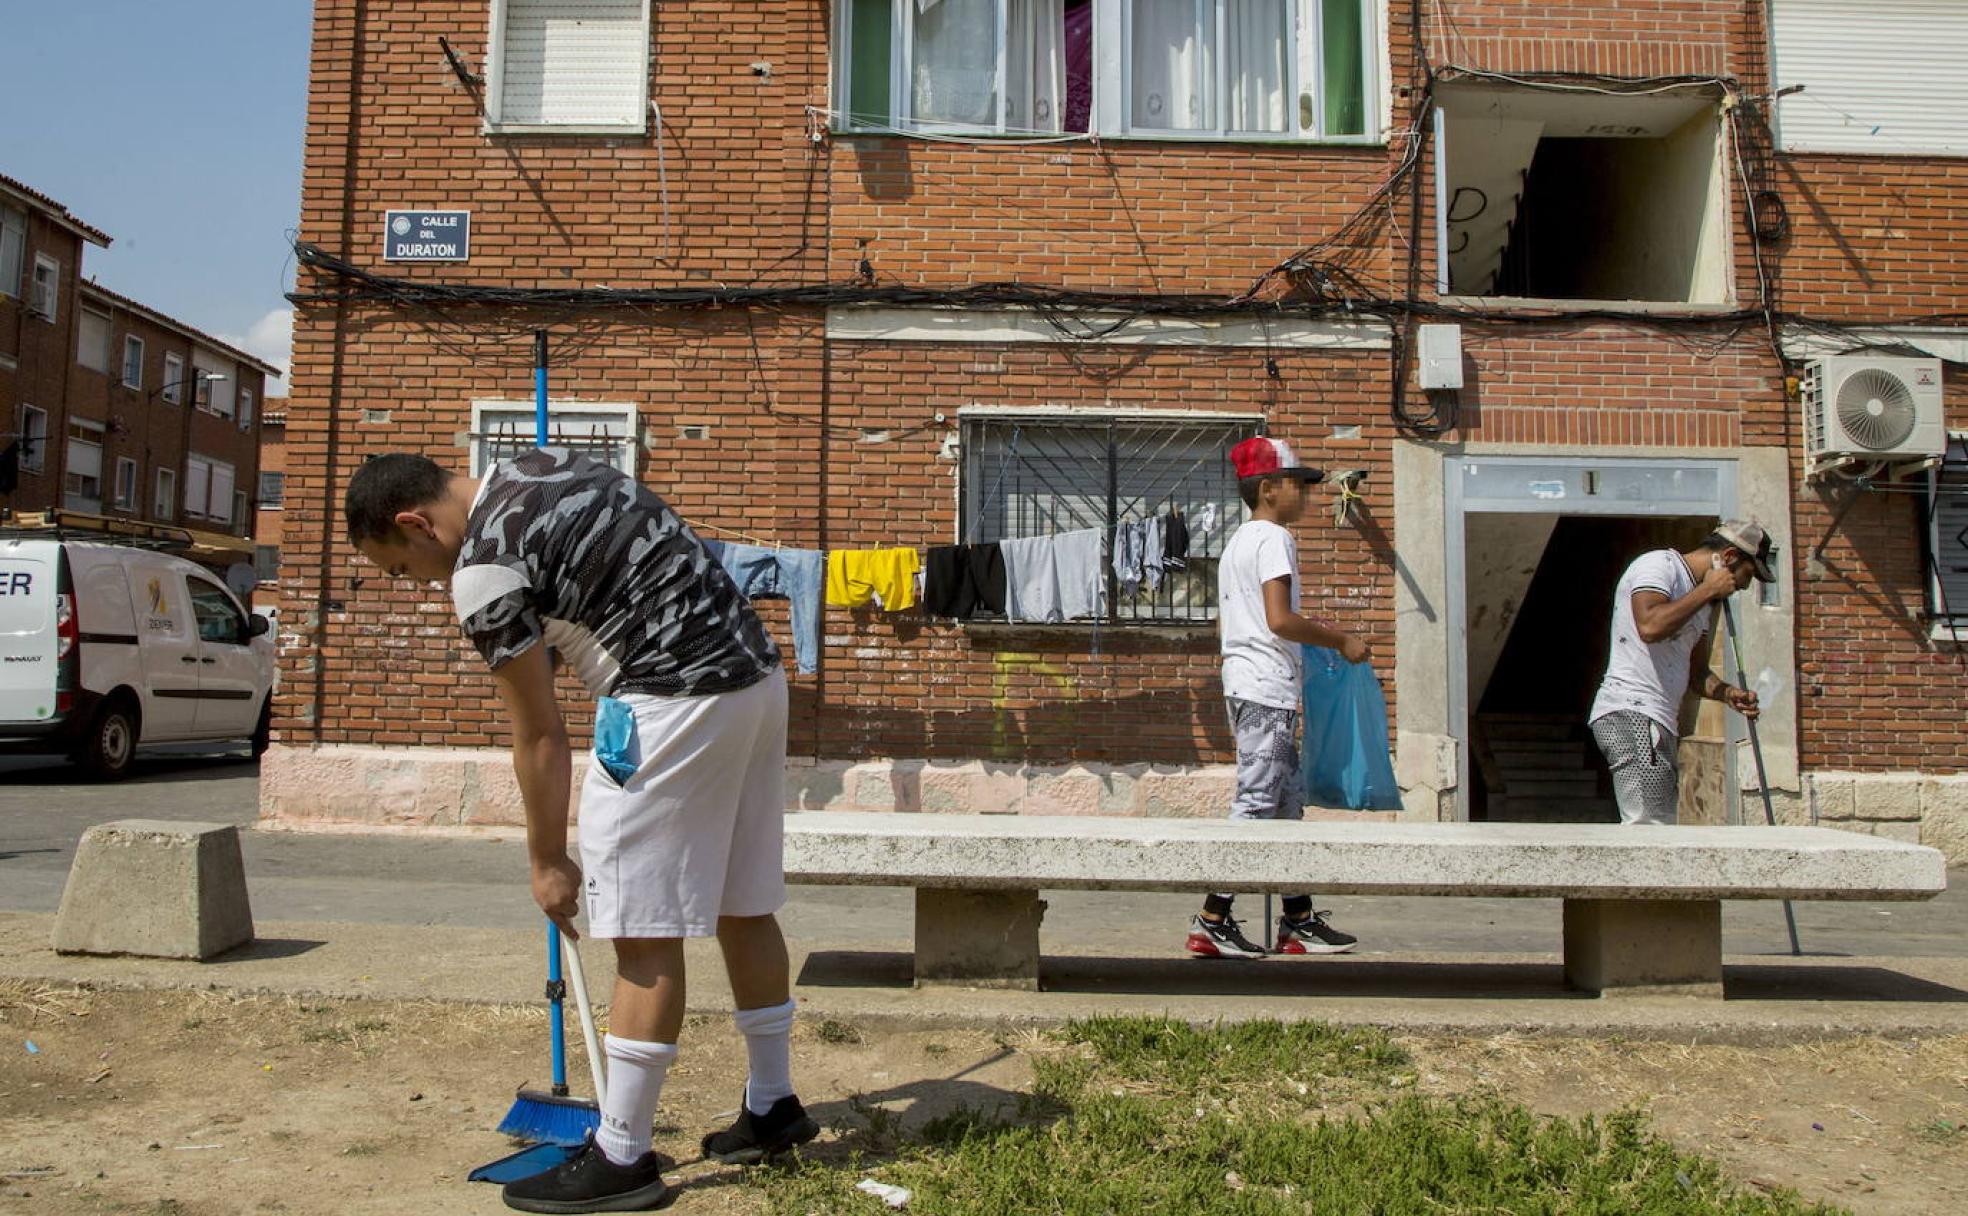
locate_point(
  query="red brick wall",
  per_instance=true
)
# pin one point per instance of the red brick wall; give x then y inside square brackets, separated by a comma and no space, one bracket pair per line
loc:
[753,200]
[43,358]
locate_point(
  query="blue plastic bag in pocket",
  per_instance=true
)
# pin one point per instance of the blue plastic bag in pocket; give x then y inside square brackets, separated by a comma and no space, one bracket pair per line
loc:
[1345,761]
[615,738]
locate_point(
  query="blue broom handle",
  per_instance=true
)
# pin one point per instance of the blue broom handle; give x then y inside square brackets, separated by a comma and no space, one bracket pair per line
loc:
[540,388]
[557,1023]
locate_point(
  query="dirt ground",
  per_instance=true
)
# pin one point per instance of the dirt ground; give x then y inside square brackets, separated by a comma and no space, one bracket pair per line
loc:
[190,1103]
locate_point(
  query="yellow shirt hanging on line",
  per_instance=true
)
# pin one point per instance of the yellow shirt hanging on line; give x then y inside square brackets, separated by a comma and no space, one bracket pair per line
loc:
[855,576]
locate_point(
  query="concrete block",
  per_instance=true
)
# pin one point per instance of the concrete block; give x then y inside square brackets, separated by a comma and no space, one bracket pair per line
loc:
[1897,829]
[1644,947]
[1947,831]
[1943,796]
[1831,794]
[978,939]
[156,888]
[1886,796]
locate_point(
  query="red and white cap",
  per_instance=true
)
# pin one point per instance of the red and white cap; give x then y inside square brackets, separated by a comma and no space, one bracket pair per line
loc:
[1266,457]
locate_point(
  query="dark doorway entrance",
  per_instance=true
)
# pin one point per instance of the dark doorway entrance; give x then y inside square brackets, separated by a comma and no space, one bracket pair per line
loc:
[1531,757]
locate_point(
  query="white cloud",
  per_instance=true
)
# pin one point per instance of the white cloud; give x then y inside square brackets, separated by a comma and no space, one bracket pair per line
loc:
[270,338]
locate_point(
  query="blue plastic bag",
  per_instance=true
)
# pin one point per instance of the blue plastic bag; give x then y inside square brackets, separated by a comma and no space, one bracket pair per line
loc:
[615,741]
[1345,762]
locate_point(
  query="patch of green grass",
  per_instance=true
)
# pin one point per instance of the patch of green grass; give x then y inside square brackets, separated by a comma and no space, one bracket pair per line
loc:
[1167,1052]
[1940,1131]
[831,1031]
[1151,1115]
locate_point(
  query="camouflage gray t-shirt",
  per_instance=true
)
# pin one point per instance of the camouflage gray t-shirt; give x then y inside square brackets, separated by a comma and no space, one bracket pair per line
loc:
[564,549]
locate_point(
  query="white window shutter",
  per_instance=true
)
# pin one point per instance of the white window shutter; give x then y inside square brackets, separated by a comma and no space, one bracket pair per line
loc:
[574,63]
[1878,77]
[221,505]
[198,481]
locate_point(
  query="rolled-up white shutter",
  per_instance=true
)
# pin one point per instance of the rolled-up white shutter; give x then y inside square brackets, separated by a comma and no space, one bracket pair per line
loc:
[572,63]
[221,507]
[198,481]
[1884,76]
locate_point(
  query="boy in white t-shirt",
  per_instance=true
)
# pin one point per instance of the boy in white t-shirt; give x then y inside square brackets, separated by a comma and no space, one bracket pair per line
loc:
[1258,617]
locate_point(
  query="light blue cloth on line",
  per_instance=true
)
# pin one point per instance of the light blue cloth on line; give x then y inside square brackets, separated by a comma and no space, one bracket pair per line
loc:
[797,575]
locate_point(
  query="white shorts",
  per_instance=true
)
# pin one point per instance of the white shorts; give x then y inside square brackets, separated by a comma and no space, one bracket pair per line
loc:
[698,831]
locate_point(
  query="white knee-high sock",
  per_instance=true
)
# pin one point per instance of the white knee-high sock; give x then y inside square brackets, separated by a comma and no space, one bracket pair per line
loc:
[768,1043]
[635,1081]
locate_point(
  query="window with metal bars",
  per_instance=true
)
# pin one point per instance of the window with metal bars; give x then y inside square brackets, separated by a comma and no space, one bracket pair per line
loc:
[502,430]
[1041,475]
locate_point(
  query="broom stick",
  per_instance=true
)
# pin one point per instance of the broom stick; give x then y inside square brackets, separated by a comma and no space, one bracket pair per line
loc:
[1756,749]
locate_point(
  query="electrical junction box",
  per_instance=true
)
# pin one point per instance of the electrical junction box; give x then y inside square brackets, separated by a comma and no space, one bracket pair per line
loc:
[1441,356]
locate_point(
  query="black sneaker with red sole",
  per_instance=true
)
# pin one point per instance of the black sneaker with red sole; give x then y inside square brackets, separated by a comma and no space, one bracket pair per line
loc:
[1312,935]
[1220,939]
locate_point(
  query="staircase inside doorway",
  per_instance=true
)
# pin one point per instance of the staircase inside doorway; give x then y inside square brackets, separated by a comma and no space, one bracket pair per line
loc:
[1539,768]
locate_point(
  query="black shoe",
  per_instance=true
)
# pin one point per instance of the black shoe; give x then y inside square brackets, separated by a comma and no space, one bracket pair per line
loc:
[1312,936]
[590,1182]
[753,1138]
[1220,939]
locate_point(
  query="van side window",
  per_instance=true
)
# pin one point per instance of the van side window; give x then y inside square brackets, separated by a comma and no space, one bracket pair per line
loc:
[218,619]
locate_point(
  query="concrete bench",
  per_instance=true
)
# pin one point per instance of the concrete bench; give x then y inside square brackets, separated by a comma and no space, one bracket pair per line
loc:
[1642,911]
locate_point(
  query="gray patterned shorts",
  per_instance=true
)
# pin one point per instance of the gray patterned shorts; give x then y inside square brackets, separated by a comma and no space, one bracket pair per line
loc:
[1268,782]
[1642,757]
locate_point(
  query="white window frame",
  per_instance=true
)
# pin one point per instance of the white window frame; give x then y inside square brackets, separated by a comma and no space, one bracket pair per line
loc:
[268,571]
[245,400]
[495,71]
[133,344]
[242,507]
[164,503]
[48,310]
[493,420]
[13,250]
[125,488]
[1113,78]
[277,501]
[82,334]
[34,456]
[174,377]
[83,432]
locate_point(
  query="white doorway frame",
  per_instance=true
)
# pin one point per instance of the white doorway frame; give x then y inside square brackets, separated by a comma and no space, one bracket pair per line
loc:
[1606,486]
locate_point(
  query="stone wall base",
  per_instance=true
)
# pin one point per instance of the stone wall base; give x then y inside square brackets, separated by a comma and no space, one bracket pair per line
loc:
[434,787]
[1920,808]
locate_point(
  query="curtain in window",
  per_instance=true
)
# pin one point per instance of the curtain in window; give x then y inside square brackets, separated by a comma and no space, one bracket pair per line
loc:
[1079,65]
[1035,65]
[955,62]
[1256,76]
[1172,72]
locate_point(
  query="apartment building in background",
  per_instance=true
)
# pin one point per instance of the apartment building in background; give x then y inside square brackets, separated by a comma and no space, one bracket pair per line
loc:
[1557,284]
[113,408]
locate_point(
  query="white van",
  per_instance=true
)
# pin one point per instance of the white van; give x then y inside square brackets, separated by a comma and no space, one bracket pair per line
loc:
[104,646]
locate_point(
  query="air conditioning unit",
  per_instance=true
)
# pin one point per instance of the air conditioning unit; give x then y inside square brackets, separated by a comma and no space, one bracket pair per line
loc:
[1872,409]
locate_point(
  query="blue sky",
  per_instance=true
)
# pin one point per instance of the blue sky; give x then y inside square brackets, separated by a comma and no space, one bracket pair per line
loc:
[176,128]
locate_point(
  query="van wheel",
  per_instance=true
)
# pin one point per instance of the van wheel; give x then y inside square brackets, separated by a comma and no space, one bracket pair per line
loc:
[263,733]
[110,745]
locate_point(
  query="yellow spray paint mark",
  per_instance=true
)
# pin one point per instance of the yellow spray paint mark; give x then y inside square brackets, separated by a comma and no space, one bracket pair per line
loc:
[1009,664]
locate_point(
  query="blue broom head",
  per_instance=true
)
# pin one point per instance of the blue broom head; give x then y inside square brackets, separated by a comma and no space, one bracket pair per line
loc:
[551,1118]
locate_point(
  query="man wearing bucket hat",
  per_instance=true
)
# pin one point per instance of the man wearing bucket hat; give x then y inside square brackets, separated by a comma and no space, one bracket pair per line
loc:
[1663,627]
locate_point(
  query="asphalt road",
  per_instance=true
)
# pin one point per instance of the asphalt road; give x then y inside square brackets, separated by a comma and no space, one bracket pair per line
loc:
[481,883]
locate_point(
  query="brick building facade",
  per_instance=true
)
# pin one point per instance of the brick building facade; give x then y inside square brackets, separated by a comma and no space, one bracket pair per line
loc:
[122,411]
[985,289]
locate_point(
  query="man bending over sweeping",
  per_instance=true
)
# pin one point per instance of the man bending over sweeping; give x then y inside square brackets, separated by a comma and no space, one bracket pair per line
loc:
[1663,628]
[681,827]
